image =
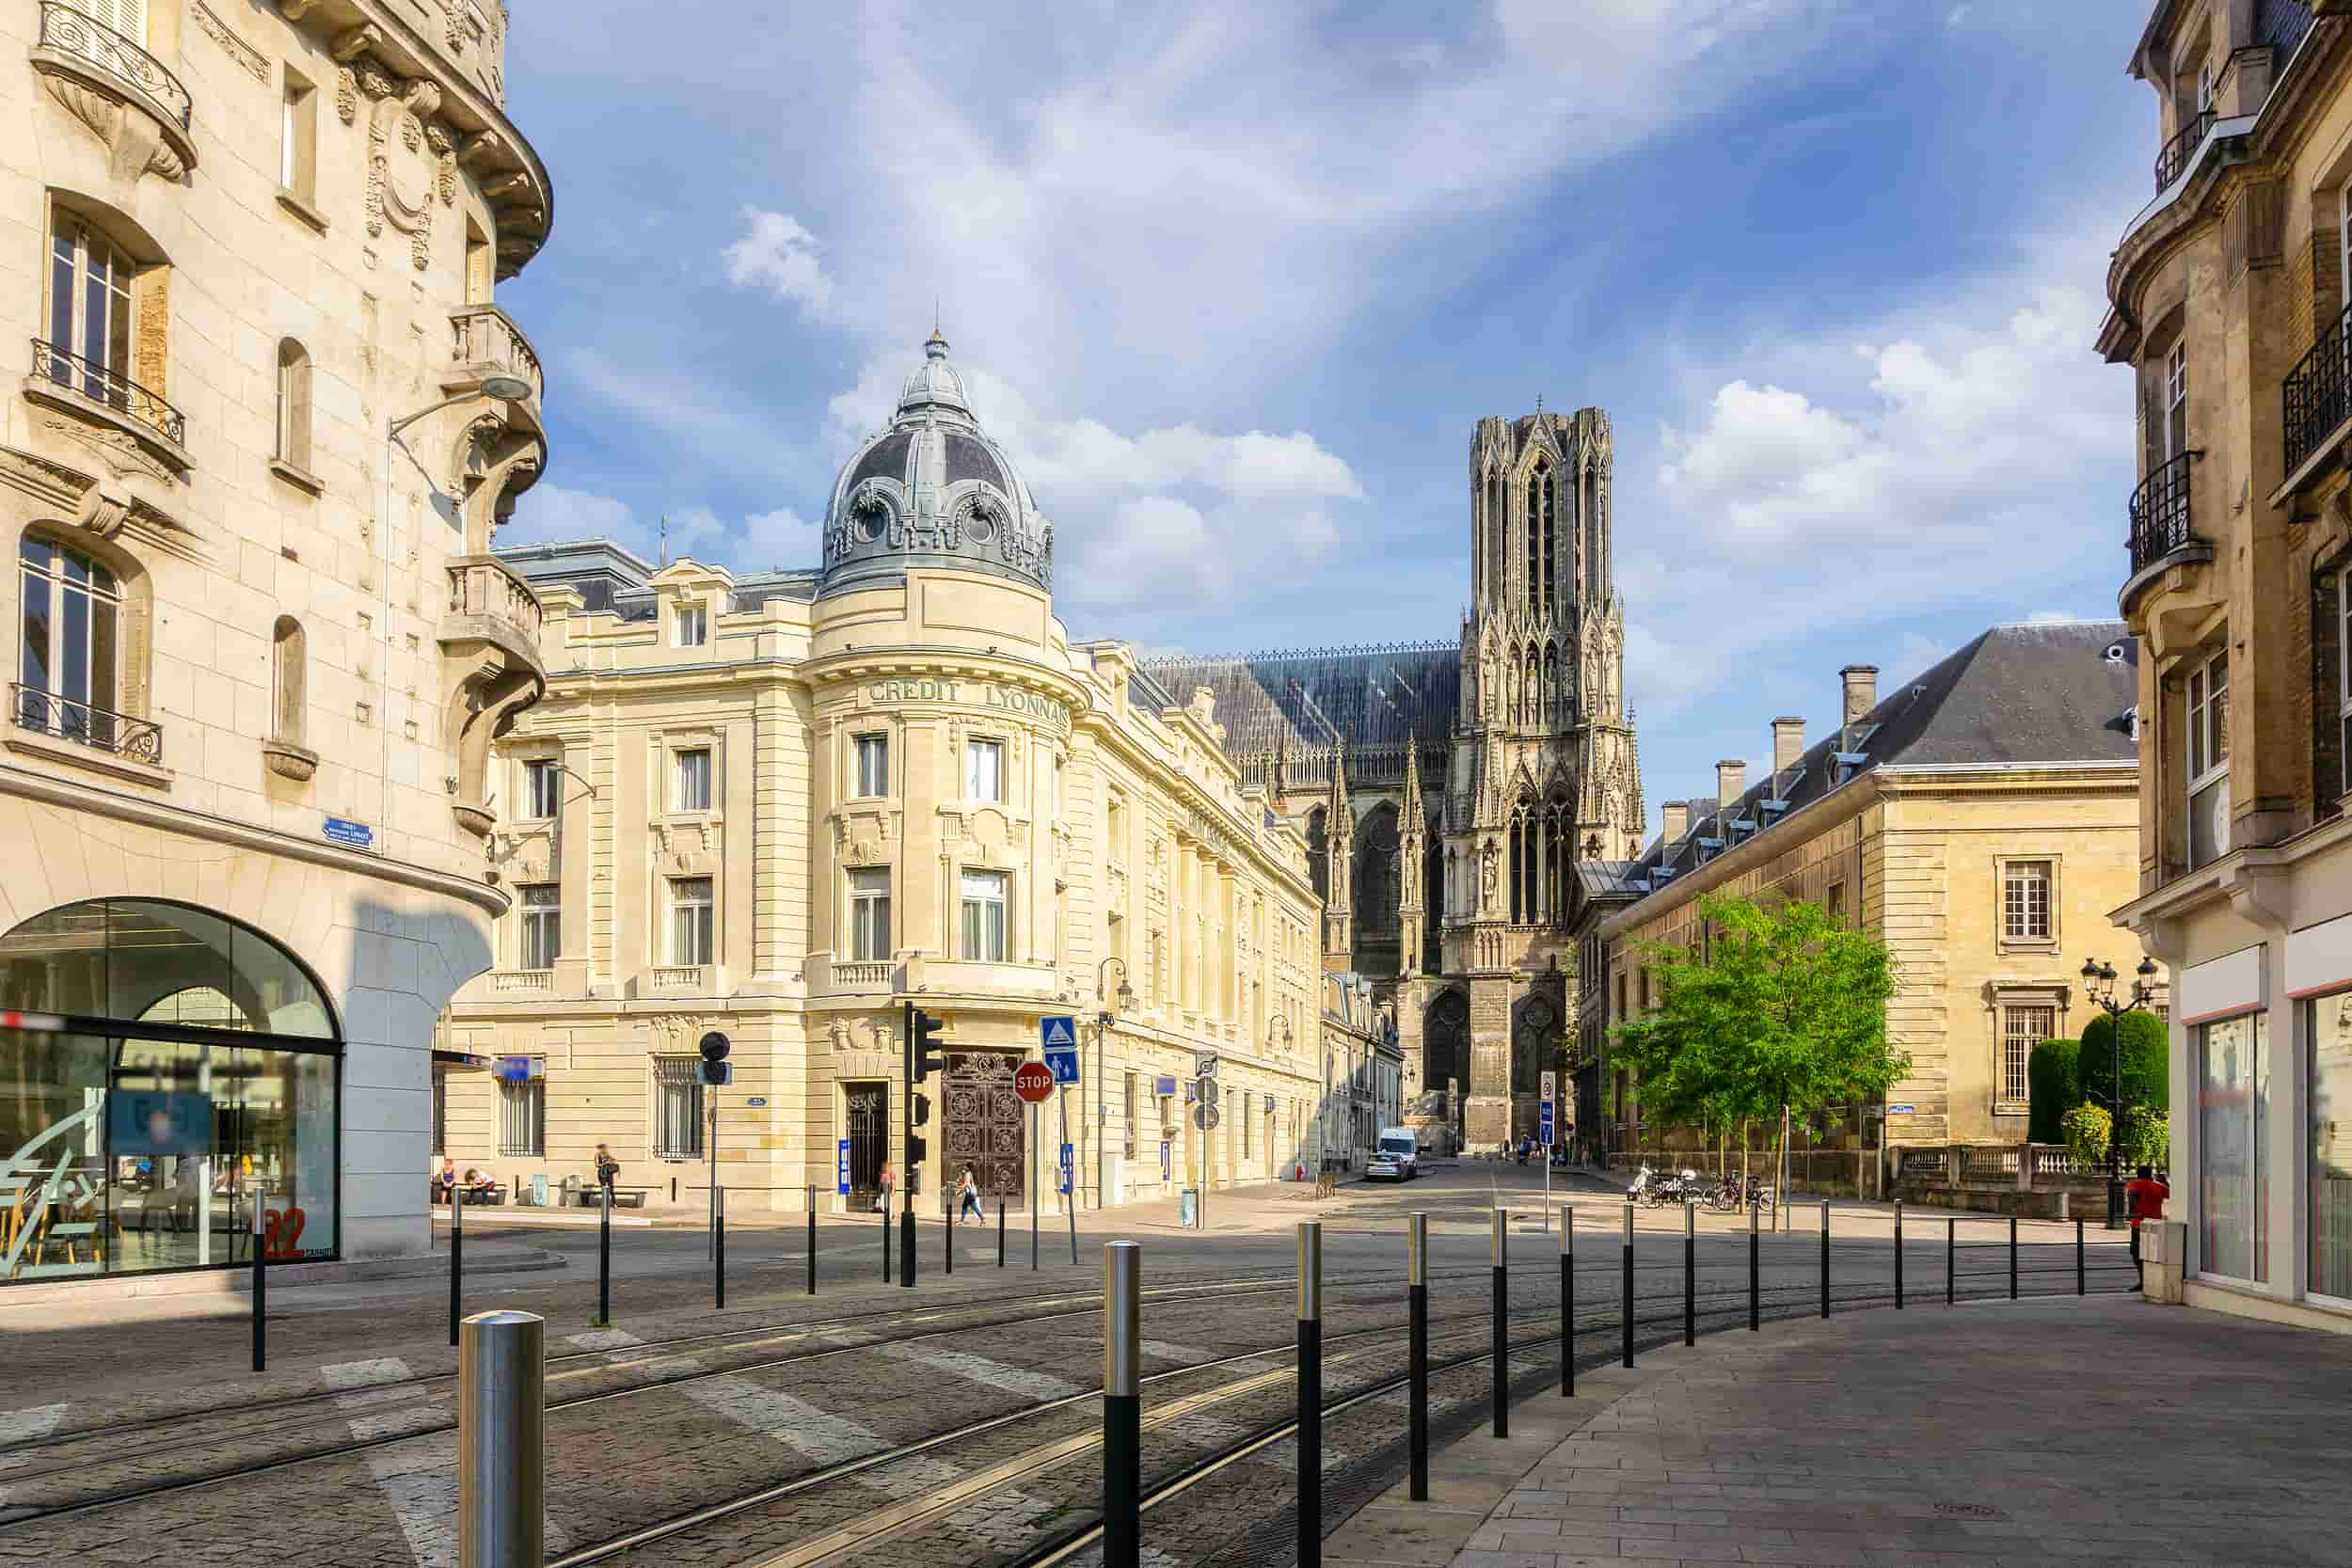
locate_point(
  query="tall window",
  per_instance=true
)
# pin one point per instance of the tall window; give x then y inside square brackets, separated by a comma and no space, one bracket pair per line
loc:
[2208,758]
[1538,533]
[298,134]
[677,1108]
[984,770]
[690,625]
[2176,399]
[294,404]
[690,919]
[543,789]
[73,616]
[2327,1024]
[440,1111]
[89,309]
[690,779]
[2022,1029]
[873,765]
[1131,1115]
[2344,680]
[523,1114]
[869,914]
[2026,901]
[289,677]
[2233,1123]
[543,930]
[984,939]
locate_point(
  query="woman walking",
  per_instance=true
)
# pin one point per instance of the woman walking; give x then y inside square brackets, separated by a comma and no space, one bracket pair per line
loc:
[888,1180]
[968,1198]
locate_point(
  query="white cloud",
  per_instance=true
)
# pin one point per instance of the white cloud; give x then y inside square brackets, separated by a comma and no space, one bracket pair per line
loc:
[548,512]
[778,254]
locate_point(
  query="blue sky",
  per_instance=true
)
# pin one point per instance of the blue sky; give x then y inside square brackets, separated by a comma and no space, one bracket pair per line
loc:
[1233,282]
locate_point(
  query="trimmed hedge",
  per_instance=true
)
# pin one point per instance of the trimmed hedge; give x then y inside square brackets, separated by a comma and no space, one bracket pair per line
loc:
[2051,1082]
[2147,1076]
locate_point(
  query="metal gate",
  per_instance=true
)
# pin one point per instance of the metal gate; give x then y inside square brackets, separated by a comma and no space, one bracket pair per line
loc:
[870,1140]
[984,1127]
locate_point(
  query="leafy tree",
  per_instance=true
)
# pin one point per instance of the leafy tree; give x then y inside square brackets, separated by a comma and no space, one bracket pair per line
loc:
[1783,1013]
[2050,1082]
[2147,1075]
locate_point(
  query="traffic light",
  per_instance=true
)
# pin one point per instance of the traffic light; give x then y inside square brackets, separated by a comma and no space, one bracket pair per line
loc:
[714,1048]
[922,1110]
[918,1147]
[924,1054]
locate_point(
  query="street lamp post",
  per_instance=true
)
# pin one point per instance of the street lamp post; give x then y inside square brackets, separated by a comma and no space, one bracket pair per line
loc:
[2099,985]
[1103,1021]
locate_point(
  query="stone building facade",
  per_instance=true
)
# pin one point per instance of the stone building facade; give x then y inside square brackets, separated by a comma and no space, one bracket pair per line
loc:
[783,806]
[1448,790]
[271,415]
[2228,293]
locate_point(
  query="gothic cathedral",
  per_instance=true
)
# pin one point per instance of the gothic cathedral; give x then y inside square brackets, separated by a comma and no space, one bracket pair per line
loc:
[1451,791]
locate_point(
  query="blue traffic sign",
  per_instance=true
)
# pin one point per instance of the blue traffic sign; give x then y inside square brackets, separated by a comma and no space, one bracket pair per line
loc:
[841,1167]
[1069,1164]
[1060,1035]
[1544,1125]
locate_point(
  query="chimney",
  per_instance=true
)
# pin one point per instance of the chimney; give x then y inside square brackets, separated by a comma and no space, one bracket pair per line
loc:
[1677,820]
[1731,777]
[1861,690]
[1788,746]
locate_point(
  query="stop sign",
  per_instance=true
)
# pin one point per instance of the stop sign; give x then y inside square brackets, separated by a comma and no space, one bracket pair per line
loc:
[1033,1082]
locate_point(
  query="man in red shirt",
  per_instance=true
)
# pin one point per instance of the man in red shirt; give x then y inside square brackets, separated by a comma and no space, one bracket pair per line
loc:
[2146,1196]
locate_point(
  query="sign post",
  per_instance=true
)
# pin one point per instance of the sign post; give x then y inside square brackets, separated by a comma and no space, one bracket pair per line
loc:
[1034,1082]
[1546,1128]
[1059,1036]
[1204,1116]
[714,1074]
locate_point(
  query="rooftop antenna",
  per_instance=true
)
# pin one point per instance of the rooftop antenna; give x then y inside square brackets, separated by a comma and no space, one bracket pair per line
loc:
[665,539]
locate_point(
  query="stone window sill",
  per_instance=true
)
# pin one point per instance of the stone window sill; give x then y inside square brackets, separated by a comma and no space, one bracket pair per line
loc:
[302,208]
[300,478]
[51,748]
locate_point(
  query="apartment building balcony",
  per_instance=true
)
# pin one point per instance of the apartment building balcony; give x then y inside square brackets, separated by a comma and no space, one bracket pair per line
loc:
[857,978]
[61,729]
[90,66]
[106,398]
[489,603]
[2163,534]
[491,669]
[2173,159]
[485,341]
[2317,410]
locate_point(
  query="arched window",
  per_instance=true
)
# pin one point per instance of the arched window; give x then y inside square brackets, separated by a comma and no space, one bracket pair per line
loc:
[290,676]
[1595,563]
[1538,535]
[69,646]
[294,404]
[1494,536]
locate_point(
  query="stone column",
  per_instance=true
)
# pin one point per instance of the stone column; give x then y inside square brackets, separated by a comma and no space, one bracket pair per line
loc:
[1486,1123]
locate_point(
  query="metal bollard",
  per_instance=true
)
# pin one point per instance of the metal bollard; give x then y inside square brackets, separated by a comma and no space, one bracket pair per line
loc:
[604,1260]
[1629,1282]
[1690,1272]
[1000,1232]
[1122,1405]
[1755,1271]
[260,1282]
[2078,1256]
[1417,1339]
[2012,1257]
[1824,1257]
[1898,1254]
[1310,1394]
[949,1228]
[1501,1398]
[501,1441]
[1567,1300]
[906,1233]
[812,1240]
[719,1243]
[885,1214]
[1951,1255]
[456,1255]
[1033,1208]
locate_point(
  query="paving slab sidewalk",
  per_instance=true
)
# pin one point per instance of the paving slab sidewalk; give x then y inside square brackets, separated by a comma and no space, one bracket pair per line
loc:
[2077,1432]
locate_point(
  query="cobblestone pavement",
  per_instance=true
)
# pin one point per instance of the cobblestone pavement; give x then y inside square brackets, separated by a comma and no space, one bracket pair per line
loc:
[2077,1433]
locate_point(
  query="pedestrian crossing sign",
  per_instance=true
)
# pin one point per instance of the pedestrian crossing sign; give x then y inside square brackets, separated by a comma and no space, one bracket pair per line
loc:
[1059,1033]
[1058,1030]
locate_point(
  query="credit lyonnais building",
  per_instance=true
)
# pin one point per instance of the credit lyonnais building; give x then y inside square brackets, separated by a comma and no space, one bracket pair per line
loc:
[263,414]
[2228,293]
[779,806]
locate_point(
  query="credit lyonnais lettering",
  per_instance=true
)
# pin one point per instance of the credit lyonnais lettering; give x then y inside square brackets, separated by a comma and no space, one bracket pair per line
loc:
[971,694]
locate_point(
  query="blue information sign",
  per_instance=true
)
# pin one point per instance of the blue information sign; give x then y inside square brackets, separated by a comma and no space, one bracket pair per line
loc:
[1543,1125]
[1060,1037]
[841,1167]
[355,835]
[1069,1164]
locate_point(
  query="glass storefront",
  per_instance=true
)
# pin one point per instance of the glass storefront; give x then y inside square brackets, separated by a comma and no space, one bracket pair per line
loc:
[2233,1119]
[2327,1024]
[168,1071]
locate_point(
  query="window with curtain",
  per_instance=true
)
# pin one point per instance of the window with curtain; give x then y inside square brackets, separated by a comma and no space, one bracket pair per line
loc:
[984,922]
[2233,1118]
[690,919]
[543,789]
[677,1108]
[873,766]
[2208,758]
[2026,901]
[523,1116]
[542,923]
[869,913]
[984,770]
[691,625]
[68,644]
[690,779]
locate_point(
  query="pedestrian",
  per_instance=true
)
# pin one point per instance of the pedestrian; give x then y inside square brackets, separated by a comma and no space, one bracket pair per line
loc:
[968,1198]
[888,1180]
[446,1183]
[608,1168]
[2147,1194]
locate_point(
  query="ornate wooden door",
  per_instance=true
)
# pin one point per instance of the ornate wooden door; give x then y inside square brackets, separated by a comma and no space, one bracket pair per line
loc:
[986,1126]
[869,1139]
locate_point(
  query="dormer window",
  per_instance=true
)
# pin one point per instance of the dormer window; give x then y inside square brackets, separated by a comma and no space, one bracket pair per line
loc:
[690,626]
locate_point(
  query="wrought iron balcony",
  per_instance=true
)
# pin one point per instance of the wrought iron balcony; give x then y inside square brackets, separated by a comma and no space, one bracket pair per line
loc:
[46,713]
[2317,395]
[118,392]
[484,338]
[2183,146]
[69,31]
[2159,512]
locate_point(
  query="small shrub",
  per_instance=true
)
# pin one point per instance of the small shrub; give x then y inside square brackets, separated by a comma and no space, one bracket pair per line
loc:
[2147,1077]
[2050,1082]
[2087,1127]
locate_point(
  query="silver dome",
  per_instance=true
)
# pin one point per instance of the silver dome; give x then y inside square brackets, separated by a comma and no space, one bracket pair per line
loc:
[930,489]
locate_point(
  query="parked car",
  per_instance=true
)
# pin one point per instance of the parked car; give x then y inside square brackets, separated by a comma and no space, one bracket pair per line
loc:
[1398,1158]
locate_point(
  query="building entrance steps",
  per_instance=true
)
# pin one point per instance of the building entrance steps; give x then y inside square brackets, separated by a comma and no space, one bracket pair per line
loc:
[2006,1432]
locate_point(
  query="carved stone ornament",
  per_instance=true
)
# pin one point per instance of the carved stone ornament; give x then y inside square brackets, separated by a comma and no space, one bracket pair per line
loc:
[400,179]
[136,141]
[247,57]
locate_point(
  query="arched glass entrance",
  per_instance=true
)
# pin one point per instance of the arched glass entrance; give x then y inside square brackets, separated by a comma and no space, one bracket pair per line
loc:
[162,1069]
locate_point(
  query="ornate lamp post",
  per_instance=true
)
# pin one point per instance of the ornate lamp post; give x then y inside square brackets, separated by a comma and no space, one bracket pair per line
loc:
[2099,985]
[1277,1040]
[1103,1021]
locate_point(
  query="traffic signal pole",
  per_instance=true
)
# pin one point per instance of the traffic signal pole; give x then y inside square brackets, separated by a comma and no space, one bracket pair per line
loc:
[922,1060]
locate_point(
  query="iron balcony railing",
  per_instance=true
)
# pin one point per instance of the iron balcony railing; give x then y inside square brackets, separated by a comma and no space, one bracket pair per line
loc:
[86,724]
[116,392]
[2183,146]
[2159,511]
[69,31]
[2317,395]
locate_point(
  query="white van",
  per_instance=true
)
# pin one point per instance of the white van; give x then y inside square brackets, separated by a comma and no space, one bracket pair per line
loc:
[1398,1156]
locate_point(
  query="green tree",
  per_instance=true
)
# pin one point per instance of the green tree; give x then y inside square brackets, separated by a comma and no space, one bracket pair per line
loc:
[1782,1013]
[2147,1071]
[2050,1082]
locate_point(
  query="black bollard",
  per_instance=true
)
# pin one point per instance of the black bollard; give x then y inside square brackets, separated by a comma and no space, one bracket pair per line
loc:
[456,1255]
[1567,1300]
[718,1243]
[1824,1257]
[885,1217]
[1756,1272]
[1310,1394]
[1690,1272]
[604,1260]
[1417,1337]
[1629,1282]
[261,1285]
[1122,1406]
[1000,1232]
[906,1235]
[2012,1257]
[951,1229]
[1951,1255]
[812,1240]
[2078,1256]
[1502,1396]
[1898,1254]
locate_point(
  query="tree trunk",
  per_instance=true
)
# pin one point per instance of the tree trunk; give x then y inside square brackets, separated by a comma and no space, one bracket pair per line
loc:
[1780,1193]
[1743,1154]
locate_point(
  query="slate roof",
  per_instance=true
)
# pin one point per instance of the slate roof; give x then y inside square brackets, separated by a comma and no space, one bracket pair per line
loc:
[2030,692]
[1376,696]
